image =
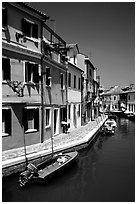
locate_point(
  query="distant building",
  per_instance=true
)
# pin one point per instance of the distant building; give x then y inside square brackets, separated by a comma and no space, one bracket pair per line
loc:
[90,89]
[118,99]
[74,87]
[111,99]
[131,100]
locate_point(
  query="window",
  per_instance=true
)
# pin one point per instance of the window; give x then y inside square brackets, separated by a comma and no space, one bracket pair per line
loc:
[48,78]
[69,79]
[90,72]
[48,116]
[78,110]
[74,59]
[6,69]
[74,81]
[79,83]
[31,119]
[129,97]
[61,80]
[114,98]
[69,111]
[63,112]
[31,72]
[29,28]
[129,107]
[4,17]
[6,122]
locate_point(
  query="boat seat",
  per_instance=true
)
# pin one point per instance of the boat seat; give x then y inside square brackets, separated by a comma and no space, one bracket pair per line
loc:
[48,170]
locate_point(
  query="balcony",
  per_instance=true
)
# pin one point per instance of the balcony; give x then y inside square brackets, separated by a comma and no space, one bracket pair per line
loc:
[54,46]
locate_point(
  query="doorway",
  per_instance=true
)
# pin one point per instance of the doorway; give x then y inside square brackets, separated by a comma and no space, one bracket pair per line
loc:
[56,121]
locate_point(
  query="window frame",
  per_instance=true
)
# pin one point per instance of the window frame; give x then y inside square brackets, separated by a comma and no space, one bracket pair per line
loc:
[34,120]
[4,70]
[69,111]
[4,17]
[69,79]
[78,110]
[49,125]
[62,81]
[30,26]
[79,83]
[74,81]
[7,124]
[48,77]
[32,72]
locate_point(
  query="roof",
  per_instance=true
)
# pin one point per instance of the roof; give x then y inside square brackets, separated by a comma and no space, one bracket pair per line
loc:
[46,17]
[76,67]
[114,91]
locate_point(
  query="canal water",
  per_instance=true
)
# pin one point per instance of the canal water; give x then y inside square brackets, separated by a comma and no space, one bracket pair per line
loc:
[104,172]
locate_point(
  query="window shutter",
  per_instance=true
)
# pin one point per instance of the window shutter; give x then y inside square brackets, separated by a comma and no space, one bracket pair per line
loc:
[4,17]
[36,119]
[35,74]
[26,71]
[26,27]
[23,25]
[6,68]
[8,121]
[25,120]
[35,30]
[47,76]
[61,75]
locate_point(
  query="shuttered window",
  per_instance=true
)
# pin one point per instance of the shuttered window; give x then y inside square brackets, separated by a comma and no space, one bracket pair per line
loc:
[31,119]
[31,72]
[4,17]
[48,117]
[61,80]
[69,80]
[6,69]
[29,28]
[74,81]
[6,122]
[79,81]
[48,78]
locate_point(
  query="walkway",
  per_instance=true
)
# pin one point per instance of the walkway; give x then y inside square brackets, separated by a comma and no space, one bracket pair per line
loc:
[61,142]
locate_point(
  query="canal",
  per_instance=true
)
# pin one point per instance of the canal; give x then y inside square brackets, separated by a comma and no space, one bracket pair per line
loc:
[104,172]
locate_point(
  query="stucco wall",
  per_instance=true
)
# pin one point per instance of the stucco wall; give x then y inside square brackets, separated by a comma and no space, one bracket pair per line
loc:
[14,19]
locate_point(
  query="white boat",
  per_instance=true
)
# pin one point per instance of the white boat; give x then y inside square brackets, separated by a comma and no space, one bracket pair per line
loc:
[109,126]
[129,114]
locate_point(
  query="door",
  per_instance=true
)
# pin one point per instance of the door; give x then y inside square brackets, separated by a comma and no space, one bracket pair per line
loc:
[74,117]
[56,121]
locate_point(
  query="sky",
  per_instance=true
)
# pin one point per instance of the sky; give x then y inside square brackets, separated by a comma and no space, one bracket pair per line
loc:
[105,31]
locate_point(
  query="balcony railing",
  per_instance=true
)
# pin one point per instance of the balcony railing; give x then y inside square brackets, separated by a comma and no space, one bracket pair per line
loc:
[53,45]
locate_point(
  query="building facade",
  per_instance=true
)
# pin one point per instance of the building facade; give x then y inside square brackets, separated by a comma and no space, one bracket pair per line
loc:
[89,90]
[33,77]
[74,87]
[131,101]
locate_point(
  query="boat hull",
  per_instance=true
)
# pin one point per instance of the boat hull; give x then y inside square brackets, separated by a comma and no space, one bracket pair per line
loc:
[48,169]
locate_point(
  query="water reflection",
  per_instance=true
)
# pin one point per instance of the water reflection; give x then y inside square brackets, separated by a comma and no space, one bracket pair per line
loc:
[104,172]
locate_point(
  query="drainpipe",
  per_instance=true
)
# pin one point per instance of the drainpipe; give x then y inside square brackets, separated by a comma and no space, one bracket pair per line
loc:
[42,83]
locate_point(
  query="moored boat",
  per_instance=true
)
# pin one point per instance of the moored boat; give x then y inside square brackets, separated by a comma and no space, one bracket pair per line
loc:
[46,169]
[129,114]
[109,126]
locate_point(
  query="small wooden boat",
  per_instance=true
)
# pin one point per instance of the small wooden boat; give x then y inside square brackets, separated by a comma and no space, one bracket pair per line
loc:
[46,169]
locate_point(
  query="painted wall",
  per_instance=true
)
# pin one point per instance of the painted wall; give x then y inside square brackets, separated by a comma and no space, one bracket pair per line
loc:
[16,139]
[14,20]
[131,101]
[74,97]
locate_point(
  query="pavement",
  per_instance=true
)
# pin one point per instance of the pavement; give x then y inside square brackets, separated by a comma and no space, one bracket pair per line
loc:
[78,136]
